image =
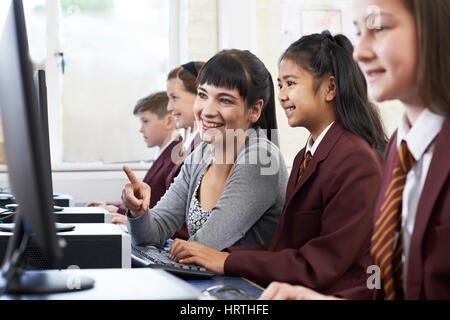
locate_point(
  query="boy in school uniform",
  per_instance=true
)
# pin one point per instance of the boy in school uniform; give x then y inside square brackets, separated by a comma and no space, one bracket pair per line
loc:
[158,128]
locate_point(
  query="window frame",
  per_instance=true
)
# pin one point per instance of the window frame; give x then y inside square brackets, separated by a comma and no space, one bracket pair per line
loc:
[54,75]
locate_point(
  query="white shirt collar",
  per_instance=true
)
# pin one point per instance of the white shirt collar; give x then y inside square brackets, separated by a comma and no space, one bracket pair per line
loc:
[421,134]
[161,150]
[313,147]
[187,143]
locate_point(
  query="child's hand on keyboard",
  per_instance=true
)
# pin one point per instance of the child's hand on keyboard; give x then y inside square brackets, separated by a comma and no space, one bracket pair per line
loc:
[119,219]
[286,291]
[195,253]
[135,195]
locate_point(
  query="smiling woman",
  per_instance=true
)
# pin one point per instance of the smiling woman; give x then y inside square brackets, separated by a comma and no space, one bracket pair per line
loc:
[243,80]
[222,113]
[223,204]
[321,240]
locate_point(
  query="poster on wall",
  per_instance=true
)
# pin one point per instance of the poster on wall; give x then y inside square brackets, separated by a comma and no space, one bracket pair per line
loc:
[315,21]
[302,17]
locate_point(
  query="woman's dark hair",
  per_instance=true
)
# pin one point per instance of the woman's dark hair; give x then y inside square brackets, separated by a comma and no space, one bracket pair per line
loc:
[324,55]
[186,73]
[242,70]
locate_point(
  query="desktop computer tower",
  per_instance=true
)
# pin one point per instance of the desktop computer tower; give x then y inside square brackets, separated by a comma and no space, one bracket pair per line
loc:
[83,215]
[59,199]
[62,200]
[71,215]
[88,246]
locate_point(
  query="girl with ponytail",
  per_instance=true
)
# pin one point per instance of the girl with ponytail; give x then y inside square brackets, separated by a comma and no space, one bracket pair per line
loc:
[403,49]
[323,237]
[323,55]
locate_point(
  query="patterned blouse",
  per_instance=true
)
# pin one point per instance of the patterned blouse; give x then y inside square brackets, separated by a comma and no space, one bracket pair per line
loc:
[197,215]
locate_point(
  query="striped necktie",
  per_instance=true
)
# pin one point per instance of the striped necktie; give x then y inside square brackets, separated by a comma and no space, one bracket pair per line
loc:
[186,152]
[386,243]
[303,165]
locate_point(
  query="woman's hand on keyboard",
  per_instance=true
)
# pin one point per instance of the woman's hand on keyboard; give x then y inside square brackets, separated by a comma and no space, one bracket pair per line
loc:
[195,253]
[136,194]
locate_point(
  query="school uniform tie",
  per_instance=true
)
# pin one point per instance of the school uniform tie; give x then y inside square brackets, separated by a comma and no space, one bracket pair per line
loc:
[306,159]
[386,243]
[185,152]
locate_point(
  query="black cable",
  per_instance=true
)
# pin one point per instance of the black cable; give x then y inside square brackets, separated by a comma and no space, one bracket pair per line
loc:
[14,263]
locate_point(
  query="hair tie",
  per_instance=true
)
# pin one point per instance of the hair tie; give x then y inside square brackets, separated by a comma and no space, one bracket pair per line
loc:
[327,35]
[190,66]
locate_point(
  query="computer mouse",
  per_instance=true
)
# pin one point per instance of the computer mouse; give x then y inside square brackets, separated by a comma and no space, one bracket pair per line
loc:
[228,292]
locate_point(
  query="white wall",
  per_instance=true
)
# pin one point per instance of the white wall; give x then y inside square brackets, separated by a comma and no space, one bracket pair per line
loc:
[87,183]
[206,26]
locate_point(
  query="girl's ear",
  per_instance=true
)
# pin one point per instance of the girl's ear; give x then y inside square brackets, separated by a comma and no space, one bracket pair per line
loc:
[254,112]
[170,121]
[331,88]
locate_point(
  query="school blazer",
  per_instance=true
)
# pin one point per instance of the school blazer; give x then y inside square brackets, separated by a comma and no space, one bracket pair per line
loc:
[176,169]
[323,237]
[429,260]
[157,174]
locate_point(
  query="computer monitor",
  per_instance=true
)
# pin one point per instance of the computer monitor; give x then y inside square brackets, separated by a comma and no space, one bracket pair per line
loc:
[40,85]
[28,162]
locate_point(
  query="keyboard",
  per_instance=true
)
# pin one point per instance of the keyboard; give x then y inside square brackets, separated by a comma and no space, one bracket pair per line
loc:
[152,257]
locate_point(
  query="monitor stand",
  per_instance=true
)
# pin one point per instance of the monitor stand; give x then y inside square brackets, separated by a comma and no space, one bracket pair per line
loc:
[42,282]
[15,280]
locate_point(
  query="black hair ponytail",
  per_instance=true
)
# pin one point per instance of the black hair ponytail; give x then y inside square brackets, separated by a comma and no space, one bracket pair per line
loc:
[322,55]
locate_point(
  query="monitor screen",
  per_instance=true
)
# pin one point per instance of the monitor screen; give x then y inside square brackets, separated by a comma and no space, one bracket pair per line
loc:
[26,152]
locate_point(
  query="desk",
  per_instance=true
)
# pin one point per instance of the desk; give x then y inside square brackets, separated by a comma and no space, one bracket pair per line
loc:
[138,284]
[122,284]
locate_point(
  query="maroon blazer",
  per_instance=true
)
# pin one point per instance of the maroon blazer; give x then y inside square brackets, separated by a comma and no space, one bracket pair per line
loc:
[429,260]
[157,174]
[176,169]
[323,237]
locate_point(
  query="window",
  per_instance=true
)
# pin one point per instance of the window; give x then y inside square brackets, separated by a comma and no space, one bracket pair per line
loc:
[115,52]
[101,56]
[36,25]
[36,29]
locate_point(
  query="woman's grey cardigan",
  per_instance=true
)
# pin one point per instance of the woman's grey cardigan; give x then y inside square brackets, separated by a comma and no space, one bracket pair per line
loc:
[246,213]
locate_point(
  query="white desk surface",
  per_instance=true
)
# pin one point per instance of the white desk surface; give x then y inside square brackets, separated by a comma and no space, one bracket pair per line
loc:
[122,284]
